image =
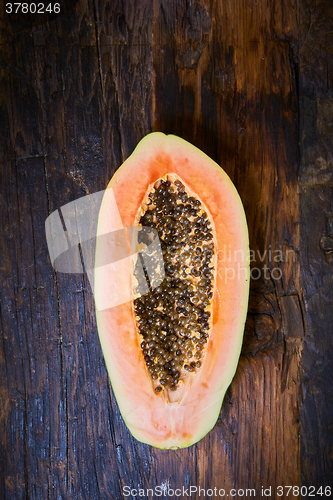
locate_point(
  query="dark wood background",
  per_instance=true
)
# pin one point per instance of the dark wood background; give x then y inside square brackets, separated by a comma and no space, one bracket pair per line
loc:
[251,83]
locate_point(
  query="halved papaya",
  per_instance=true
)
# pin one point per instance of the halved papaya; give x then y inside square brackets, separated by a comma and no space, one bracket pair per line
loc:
[172,352]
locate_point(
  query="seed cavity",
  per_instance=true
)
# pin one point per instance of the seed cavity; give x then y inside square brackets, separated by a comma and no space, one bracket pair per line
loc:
[174,319]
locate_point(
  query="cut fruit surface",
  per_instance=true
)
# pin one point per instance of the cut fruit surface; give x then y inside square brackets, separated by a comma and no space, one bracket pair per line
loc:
[172,352]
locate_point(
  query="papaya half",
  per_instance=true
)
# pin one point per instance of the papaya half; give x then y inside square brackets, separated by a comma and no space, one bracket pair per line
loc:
[172,351]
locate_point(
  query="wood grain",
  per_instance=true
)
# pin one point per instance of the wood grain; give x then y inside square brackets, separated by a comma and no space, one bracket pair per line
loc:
[316,195]
[228,71]
[249,82]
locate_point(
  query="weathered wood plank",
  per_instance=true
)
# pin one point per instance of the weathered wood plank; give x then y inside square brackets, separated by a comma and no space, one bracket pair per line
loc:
[316,185]
[79,163]
[78,91]
[29,317]
[225,80]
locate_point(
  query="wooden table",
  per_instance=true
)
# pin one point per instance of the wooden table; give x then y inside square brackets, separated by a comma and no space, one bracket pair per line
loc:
[251,83]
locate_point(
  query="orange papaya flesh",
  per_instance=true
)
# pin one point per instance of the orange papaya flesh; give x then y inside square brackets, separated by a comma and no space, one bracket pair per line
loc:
[184,410]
